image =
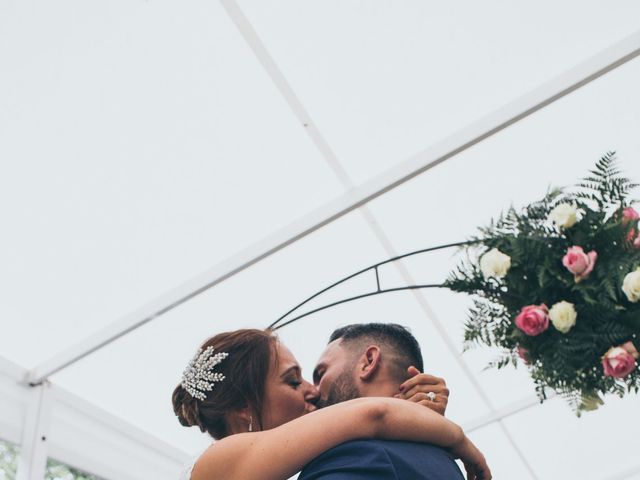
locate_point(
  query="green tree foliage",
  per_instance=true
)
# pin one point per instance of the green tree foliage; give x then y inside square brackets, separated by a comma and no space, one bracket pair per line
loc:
[8,461]
[54,470]
[59,471]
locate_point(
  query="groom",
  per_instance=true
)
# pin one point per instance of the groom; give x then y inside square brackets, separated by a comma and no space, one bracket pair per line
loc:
[371,360]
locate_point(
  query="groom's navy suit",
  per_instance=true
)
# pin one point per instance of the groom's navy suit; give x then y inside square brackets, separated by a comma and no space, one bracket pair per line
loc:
[382,460]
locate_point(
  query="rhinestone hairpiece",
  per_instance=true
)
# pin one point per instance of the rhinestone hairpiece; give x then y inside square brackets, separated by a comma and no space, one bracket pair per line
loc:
[198,378]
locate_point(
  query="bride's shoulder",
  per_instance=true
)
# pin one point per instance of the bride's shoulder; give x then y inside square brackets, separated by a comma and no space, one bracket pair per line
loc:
[224,453]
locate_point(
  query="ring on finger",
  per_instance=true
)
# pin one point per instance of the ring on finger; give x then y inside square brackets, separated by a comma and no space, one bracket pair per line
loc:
[431,396]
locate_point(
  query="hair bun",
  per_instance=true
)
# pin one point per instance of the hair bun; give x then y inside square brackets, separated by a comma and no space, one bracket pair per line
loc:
[186,408]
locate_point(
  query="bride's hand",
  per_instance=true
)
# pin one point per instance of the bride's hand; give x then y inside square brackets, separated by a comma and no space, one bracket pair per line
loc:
[473,460]
[425,389]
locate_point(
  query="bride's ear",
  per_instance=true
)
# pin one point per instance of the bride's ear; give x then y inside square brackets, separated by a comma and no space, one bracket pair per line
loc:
[369,363]
[241,421]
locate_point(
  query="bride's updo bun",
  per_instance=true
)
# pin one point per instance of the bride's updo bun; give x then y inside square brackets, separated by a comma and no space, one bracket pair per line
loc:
[245,369]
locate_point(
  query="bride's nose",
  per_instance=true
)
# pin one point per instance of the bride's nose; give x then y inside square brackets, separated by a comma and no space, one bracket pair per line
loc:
[311,393]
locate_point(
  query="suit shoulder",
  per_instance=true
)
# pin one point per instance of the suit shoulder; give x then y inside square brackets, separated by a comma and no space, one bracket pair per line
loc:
[353,448]
[357,459]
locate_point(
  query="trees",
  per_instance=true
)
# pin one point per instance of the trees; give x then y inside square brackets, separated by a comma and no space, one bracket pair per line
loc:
[54,471]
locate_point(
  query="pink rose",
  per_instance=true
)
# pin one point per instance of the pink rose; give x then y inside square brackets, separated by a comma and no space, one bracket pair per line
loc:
[533,319]
[618,362]
[579,263]
[631,235]
[631,349]
[629,215]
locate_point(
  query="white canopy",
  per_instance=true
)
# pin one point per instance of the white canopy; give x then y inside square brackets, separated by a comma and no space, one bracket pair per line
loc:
[169,171]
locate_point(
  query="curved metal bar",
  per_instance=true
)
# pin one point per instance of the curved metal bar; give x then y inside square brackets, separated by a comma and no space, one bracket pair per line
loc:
[274,325]
[357,297]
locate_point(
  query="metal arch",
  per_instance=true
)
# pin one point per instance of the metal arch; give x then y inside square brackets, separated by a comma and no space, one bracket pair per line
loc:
[277,325]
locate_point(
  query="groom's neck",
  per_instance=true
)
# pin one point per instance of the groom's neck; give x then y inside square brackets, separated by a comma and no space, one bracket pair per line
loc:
[379,388]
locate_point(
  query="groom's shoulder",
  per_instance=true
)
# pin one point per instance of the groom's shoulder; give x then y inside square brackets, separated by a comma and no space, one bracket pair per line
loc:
[353,459]
[395,447]
[381,459]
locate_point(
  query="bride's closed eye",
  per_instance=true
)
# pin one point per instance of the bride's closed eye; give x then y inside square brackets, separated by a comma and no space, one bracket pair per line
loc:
[294,382]
[292,376]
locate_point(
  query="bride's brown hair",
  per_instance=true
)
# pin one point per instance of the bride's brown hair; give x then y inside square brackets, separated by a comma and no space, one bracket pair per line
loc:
[246,369]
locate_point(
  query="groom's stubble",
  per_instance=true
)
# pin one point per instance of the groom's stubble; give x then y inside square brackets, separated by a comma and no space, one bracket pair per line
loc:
[344,388]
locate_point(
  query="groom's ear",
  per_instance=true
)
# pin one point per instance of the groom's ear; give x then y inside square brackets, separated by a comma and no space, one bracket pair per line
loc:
[369,363]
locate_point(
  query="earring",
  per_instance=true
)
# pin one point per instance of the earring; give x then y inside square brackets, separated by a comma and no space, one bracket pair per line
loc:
[251,423]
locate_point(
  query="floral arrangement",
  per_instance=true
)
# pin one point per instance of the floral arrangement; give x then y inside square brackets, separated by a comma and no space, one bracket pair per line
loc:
[557,287]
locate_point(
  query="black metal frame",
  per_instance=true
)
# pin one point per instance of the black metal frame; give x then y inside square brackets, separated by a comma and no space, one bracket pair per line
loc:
[277,324]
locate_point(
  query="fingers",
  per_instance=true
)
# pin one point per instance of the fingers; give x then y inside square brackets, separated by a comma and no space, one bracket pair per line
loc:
[422,387]
[421,379]
[481,469]
[477,471]
[438,404]
[469,470]
[439,390]
[474,462]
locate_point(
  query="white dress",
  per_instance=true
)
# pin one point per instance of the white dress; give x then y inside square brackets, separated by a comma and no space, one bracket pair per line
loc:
[186,471]
[188,468]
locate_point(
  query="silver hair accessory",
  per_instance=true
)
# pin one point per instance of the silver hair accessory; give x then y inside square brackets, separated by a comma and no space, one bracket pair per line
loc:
[198,378]
[431,396]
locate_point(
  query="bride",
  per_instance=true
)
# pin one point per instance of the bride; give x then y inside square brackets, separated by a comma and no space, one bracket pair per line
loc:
[246,390]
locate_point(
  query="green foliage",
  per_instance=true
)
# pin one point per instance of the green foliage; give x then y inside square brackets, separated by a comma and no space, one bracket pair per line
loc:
[569,363]
[54,470]
[59,471]
[8,461]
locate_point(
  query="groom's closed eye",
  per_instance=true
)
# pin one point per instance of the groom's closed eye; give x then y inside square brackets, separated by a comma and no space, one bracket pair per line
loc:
[318,372]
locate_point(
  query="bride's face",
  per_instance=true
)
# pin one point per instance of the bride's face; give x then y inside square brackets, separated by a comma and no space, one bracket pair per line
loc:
[287,395]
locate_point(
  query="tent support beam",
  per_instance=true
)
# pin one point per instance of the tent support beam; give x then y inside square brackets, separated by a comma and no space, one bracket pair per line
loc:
[505,412]
[514,111]
[32,460]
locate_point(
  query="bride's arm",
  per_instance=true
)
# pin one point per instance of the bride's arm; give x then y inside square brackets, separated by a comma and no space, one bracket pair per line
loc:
[279,453]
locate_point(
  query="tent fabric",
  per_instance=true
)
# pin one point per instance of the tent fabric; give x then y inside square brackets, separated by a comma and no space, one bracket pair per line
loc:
[142,143]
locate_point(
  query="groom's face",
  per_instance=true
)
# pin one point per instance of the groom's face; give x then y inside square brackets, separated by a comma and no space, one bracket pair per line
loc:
[334,375]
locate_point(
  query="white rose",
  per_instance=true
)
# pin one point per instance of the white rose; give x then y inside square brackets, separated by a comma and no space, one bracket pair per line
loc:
[564,215]
[494,263]
[563,316]
[631,285]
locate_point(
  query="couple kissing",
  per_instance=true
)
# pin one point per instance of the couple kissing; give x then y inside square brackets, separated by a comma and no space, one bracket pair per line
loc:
[369,414]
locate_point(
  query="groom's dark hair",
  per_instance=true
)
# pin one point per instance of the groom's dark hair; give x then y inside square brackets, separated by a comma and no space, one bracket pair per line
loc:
[396,338]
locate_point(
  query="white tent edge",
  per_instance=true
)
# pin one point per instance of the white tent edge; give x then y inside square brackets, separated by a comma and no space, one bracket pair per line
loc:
[49,421]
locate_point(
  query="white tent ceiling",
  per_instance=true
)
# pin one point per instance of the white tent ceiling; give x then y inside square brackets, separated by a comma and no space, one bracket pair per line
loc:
[142,143]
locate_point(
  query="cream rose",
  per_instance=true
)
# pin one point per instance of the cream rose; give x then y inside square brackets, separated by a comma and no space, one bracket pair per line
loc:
[563,316]
[564,215]
[494,263]
[631,286]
